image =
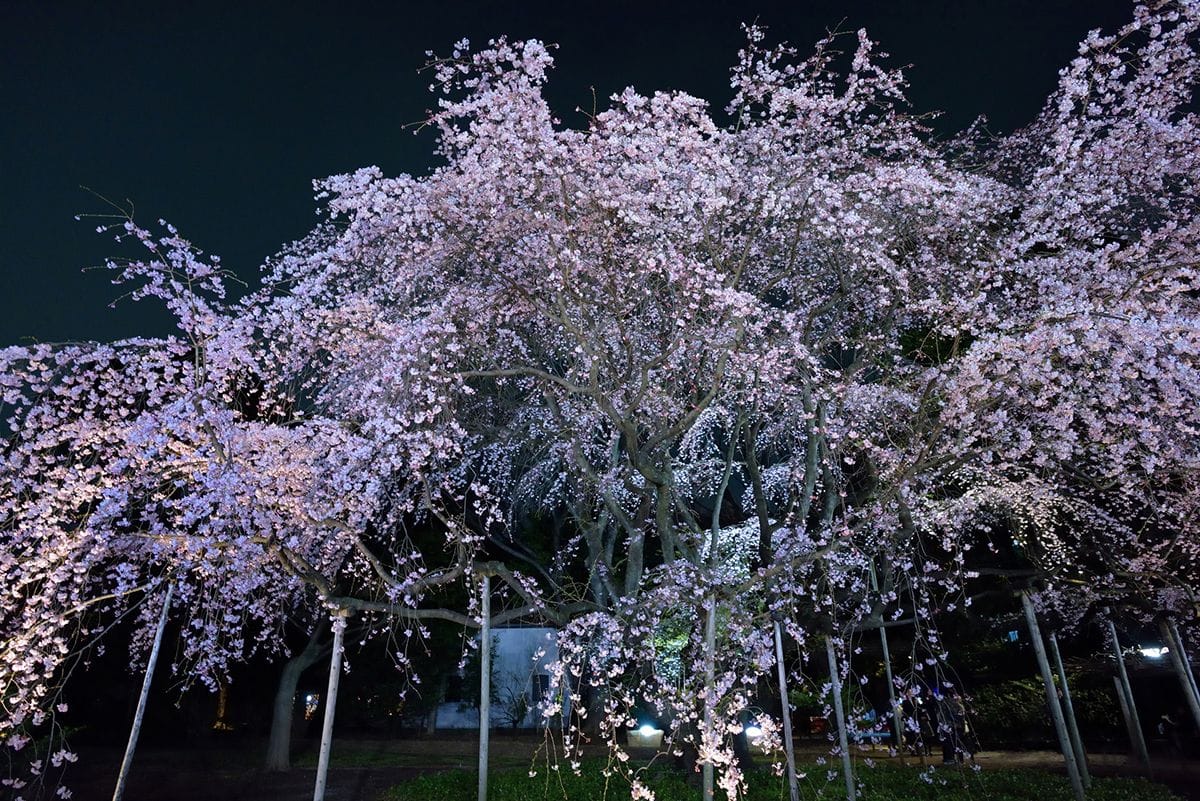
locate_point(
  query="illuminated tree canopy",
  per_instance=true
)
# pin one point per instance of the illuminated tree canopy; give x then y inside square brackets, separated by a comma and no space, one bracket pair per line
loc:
[743,366]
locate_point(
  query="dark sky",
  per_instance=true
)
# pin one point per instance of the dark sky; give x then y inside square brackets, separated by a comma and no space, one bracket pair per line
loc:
[218,116]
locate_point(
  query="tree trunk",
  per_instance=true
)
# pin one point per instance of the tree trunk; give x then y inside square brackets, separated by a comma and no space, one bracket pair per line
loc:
[136,728]
[1056,713]
[335,674]
[279,744]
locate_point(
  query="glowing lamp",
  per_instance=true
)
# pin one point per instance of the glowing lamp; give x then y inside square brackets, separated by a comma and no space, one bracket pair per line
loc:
[645,736]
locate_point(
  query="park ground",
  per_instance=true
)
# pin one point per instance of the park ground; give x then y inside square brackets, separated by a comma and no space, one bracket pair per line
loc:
[362,769]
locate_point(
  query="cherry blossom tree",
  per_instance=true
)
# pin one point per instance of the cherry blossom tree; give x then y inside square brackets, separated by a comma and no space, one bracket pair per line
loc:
[1080,401]
[746,368]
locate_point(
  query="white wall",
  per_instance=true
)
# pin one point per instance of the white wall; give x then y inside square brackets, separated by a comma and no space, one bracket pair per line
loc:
[513,668]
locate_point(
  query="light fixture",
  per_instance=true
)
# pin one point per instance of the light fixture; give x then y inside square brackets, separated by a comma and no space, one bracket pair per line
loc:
[645,736]
[753,732]
[1153,652]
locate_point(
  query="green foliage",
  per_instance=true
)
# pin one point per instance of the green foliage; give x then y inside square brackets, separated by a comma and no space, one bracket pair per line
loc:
[1010,713]
[881,783]
[805,703]
[1014,713]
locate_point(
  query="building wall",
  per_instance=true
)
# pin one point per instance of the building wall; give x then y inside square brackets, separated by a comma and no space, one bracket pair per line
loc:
[515,668]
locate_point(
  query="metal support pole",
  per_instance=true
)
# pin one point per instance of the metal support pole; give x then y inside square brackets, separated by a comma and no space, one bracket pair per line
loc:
[1056,713]
[335,675]
[1069,710]
[136,728]
[788,747]
[485,684]
[1139,739]
[1182,669]
[835,678]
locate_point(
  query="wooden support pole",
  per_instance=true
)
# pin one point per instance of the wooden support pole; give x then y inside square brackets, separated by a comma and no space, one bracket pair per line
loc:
[136,728]
[1182,667]
[335,675]
[1178,638]
[710,689]
[788,746]
[1135,729]
[835,678]
[1056,713]
[897,717]
[1069,710]
[485,684]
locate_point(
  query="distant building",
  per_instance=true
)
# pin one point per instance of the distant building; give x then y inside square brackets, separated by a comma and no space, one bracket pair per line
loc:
[520,681]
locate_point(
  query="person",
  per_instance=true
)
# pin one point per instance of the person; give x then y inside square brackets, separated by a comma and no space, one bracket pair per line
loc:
[926,730]
[952,719]
[1168,729]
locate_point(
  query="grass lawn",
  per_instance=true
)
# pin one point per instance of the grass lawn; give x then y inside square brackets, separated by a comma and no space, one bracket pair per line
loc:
[879,783]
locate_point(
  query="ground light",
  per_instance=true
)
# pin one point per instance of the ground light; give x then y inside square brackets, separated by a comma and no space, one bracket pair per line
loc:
[645,736]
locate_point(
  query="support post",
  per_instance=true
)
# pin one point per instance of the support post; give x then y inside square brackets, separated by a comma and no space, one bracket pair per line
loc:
[1124,704]
[1182,668]
[710,687]
[1178,638]
[1139,739]
[335,675]
[1056,713]
[1069,710]
[897,717]
[485,684]
[136,728]
[835,678]
[788,747]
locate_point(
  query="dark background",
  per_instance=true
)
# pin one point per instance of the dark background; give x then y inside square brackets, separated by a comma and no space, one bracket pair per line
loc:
[218,116]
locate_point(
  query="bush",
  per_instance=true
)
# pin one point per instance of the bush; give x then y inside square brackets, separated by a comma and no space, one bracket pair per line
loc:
[881,783]
[1014,713]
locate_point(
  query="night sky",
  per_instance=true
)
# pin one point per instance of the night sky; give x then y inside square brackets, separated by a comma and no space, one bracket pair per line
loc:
[218,117]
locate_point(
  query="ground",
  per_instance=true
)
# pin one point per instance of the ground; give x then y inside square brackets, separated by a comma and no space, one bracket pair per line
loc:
[362,769]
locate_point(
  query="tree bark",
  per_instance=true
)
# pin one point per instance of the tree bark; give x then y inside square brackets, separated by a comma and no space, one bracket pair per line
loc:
[279,743]
[136,728]
[1056,713]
